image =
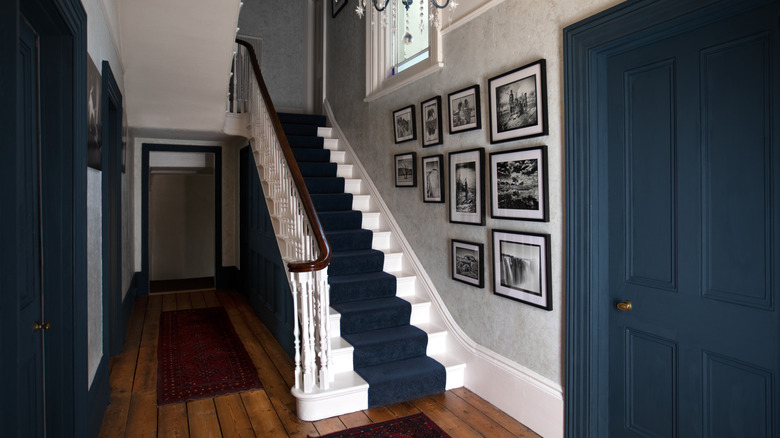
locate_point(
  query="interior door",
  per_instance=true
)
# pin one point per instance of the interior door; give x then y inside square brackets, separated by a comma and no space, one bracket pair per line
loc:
[28,211]
[694,232]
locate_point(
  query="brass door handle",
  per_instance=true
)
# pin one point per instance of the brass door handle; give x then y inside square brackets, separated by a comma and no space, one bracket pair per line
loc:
[39,326]
[624,306]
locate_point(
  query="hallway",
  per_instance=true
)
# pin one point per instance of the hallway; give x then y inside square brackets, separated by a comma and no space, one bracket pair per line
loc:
[267,412]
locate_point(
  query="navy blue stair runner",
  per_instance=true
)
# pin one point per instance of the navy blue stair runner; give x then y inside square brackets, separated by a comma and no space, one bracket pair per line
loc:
[389,352]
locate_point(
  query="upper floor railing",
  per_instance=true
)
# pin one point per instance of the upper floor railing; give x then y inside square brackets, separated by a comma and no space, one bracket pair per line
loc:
[299,233]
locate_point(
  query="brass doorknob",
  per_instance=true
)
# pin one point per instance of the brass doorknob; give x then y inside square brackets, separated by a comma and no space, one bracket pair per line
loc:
[624,306]
[39,326]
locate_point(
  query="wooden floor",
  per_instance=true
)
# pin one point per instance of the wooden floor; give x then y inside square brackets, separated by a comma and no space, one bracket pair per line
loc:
[267,412]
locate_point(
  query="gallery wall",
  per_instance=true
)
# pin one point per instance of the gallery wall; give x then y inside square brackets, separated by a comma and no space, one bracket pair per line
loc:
[485,39]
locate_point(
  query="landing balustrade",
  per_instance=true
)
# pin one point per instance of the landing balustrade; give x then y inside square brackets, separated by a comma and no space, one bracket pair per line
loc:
[300,235]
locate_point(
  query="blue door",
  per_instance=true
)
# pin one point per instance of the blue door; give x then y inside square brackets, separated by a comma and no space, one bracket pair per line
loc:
[693,185]
[31,333]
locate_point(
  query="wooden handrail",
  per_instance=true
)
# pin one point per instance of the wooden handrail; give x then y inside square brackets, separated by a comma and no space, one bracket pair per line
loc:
[319,233]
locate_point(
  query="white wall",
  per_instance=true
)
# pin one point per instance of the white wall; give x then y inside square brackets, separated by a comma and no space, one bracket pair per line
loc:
[500,36]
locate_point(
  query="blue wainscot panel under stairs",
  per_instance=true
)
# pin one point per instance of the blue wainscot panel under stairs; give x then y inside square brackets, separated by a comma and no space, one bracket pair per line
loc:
[389,353]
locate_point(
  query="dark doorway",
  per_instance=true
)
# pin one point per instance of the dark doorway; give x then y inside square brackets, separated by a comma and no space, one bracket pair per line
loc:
[181,218]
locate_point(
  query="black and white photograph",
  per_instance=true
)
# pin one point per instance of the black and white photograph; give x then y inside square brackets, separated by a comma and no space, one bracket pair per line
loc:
[433,178]
[336,6]
[430,118]
[518,184]
[404,127]
[406,170]
[518,103]
[521,267]
[94,120]
[465,110]
[467,262]
[466,187]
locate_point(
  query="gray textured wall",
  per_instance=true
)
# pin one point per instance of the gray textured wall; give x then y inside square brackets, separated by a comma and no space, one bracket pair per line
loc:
[280,23]
[509,35]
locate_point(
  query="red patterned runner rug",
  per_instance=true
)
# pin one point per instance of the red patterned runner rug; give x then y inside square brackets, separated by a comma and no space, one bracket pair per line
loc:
[199,355]
[413,426]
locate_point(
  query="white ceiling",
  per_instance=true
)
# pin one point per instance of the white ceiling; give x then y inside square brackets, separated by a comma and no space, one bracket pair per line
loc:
[176,55]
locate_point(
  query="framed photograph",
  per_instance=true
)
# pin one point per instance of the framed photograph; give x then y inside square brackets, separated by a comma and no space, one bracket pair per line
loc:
[406,170]
[433,178]
[404,127]
[464,110]
[430,120]
[467,190]
[336,6]
[94,119]
[518,103]
[467,263]
[518,184]
[521,267]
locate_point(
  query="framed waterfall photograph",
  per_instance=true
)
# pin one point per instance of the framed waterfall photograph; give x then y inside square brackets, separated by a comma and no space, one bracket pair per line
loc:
[465,113]
[518,103]
[433,178]
[430,118]
[467,263]
[521,267]
[518,184]
[404,126]
[406,170]
[467,190]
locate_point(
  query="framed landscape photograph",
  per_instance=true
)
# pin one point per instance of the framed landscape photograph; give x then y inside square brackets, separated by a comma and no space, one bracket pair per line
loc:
[336,6]
[404,127]
[518,184]
[467,190]
[518,103]
[521,267]
[467,263]
[433,178]
[406,170]
[464,110]
[430,118]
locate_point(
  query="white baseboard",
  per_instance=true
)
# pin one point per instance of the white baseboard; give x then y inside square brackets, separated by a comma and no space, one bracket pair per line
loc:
[527,396]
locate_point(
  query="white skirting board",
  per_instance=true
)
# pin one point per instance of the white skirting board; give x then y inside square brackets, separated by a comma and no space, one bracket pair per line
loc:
[527,396]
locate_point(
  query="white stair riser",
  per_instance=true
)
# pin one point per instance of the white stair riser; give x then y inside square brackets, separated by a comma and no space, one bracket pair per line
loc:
[361,202]
[344,171]
[324,132]
[393,262]
[331,144]
[381,240]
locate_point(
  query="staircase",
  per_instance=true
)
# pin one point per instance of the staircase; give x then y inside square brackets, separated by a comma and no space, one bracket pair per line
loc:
[384,347]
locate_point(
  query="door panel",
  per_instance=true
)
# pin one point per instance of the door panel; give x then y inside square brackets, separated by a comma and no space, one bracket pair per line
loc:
[28,217]
[694,215]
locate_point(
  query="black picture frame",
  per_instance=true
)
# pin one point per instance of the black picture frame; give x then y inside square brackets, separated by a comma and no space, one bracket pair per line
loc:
[404,124]
[521,267]
[336,6]
[466,187]
[405,169]
[94,116]
[468,265]
[432,178]
[518,184]
[518,103]
[463,116]
[430,121]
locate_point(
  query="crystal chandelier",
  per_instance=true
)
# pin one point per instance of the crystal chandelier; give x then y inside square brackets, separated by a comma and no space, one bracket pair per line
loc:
[433,17]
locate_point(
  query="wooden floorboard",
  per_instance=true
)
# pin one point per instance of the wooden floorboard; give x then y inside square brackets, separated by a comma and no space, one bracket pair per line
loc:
[266,412]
